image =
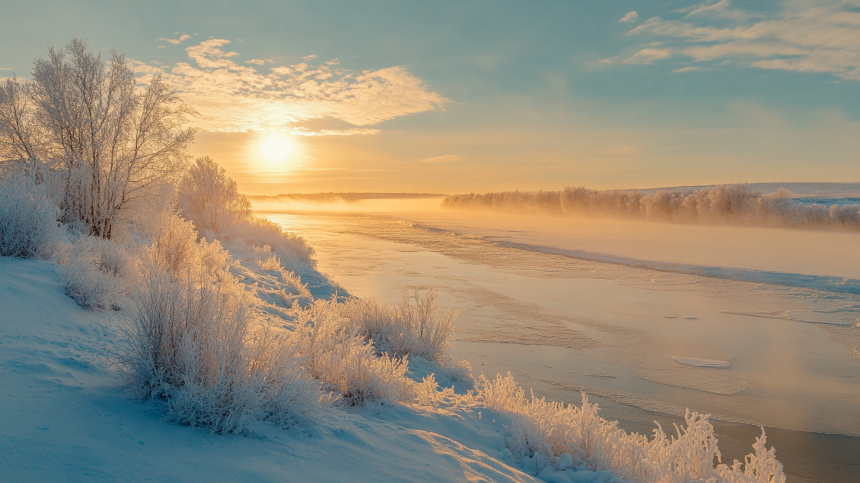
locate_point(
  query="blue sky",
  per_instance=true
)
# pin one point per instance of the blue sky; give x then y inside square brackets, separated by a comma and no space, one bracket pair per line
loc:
[476,96]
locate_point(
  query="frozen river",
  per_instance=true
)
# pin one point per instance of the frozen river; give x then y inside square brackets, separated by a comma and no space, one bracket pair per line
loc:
[754,326]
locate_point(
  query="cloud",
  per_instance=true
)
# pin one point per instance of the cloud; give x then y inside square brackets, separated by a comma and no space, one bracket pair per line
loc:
[692,68]
[308,58]
[443,159]
[720,9]
[234,97]
[631,16]
[814,37]
[178,41]
[647,56]
[303,131]
[256,61]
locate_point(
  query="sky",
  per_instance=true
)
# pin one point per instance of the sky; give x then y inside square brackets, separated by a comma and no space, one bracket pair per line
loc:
[458,97]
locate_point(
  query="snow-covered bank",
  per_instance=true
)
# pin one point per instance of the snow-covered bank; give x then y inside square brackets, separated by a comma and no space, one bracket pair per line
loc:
[66,415]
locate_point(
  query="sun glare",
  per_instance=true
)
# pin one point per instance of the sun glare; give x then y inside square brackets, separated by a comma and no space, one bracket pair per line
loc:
[276,149]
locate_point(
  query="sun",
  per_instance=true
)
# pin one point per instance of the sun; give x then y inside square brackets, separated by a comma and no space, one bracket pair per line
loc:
[276,149]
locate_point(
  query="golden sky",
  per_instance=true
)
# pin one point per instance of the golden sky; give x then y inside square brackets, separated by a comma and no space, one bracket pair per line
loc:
[479,96]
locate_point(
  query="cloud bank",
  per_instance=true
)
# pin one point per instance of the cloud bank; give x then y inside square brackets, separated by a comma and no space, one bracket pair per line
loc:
[235,96]
[819,36]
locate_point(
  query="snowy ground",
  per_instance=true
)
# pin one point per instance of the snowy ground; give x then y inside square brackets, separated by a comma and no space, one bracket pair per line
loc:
[65,416]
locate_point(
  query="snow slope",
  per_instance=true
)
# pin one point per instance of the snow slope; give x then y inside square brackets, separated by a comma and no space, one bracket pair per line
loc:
[65,416]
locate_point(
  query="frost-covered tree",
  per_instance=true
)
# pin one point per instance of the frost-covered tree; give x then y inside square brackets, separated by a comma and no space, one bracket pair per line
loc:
[88,120]
[210,198]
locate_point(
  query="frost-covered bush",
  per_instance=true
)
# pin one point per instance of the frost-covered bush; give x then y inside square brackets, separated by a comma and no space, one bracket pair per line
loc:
[332,352]
[363,350]
[95,273]
[197,342]
[256,233]
[270,264]
[212,202]
[407,329]
[542,432]
[28,217]
[210,199]
[724,204]
[290,288]
[418,329]
[174,247]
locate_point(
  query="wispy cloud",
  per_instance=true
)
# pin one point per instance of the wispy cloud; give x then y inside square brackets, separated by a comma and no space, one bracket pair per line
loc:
[720,9]
[232,97]
[309,58]
[631,16]
[647,56]
[178,41]
[821,36]
[443,159]
[692,68]
[302,131]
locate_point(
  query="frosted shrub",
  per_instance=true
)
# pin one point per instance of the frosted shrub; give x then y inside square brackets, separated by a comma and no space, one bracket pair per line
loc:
[197,342]
[292,285]
[93,273]
[293,288]
[90,287]
[332,352]
[404,330]
[174,247]
[28,217]
[420,329]
[107,256]
[212,202]
[285,289]
[541,432]
[210,199]
[361,349]
[292,250]
[271,263]
[174,244]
